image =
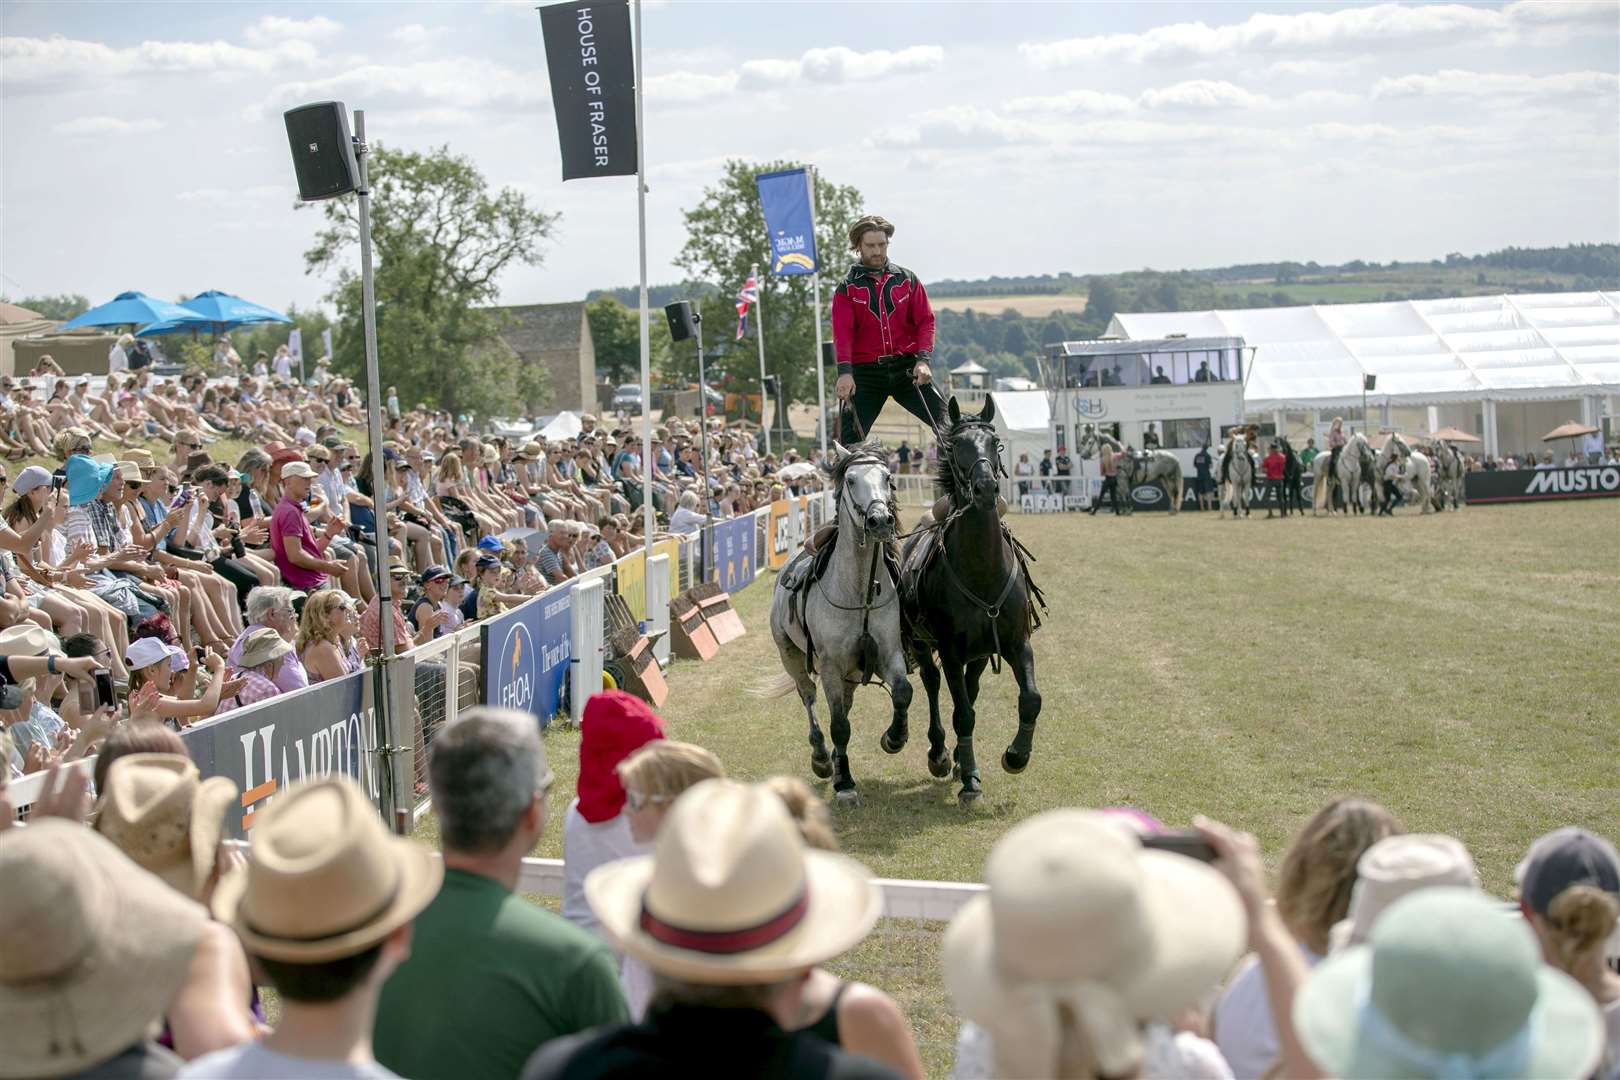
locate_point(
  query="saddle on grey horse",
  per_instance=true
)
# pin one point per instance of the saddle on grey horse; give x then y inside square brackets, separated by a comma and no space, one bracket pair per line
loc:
[806,568]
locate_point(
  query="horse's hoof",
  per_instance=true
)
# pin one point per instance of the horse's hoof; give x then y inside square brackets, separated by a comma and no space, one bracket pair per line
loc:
[888,747]
[940,768]
[1014,763]
[968,797]
[847,797]
[821,766]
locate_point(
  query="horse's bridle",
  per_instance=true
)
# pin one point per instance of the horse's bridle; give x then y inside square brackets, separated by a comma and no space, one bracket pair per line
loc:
[992,461]
[862,514]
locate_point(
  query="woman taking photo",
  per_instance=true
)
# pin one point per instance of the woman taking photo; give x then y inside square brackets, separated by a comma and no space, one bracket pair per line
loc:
[153,664]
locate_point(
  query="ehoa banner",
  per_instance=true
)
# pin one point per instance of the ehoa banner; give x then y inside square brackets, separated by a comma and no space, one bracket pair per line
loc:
[526,653]
[785,199]
[1536,485]
[593,79]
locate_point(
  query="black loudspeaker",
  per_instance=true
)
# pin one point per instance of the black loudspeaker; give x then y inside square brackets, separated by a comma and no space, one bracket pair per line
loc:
[322,151]
[682,323]
[829,354]
[1369,383]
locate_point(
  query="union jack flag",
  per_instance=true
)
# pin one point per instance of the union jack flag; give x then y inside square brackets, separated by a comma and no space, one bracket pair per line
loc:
[747,297]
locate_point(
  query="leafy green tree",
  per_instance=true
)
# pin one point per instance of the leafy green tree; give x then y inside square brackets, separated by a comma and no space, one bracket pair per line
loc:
[725,237]
[441,240]
[1102,302]
[618,341]
[1015,339]
[59,308]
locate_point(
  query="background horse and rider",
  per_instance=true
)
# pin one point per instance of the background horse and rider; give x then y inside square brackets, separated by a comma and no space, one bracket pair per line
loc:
[1159,468]
[1357,469]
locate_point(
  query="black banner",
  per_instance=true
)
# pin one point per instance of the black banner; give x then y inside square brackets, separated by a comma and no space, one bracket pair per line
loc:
[1535,485]
[592,67]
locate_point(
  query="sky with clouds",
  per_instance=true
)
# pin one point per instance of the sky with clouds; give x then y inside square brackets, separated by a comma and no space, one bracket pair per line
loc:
[144,148]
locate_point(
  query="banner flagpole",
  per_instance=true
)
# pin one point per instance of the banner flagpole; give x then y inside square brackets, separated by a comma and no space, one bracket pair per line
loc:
[647,520]
[821,377]
[759,336]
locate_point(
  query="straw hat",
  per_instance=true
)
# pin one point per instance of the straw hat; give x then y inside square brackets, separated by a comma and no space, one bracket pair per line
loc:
[140,455]
[262,646]
[1394,867]
[1079,915]
[92,949]
[326,879]
[1448,984]
[27,639]
[160,813]
[730,895]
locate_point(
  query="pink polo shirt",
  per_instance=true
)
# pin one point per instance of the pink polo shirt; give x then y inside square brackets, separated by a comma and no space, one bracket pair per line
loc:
[288,525]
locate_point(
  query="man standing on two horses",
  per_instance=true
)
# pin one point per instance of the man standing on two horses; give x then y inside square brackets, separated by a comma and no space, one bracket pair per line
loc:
[883,335]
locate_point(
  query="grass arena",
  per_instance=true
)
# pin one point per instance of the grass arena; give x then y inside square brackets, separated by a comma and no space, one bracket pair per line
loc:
[1457,667]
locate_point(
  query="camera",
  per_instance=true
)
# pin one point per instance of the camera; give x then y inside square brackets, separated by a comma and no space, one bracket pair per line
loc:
[10,696]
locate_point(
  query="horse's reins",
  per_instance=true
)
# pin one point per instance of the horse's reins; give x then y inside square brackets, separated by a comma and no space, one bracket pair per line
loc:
[872,587]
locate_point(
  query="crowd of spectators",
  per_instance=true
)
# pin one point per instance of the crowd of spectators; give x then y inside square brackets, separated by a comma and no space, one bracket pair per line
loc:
[132,531]
[700,915]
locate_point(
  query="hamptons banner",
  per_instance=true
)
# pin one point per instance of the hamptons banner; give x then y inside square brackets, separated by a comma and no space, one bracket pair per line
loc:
[327,728]
[592,68]
[785,199]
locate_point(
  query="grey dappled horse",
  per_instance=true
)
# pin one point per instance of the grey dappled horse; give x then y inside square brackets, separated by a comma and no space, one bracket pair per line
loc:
[1449,467]
[846,628]
[1417,469]
[1356,468]
[1158,467]
[1237,467]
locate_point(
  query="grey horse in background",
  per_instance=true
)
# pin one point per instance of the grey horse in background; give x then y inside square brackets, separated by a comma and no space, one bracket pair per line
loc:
[1237,467]
[1158,467]
[1449,468]
[1356,468]
[1416,468]
[845,624]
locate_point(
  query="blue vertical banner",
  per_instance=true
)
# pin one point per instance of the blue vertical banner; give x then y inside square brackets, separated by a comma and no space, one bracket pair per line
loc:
[731,552]
[526,653]
[785,199]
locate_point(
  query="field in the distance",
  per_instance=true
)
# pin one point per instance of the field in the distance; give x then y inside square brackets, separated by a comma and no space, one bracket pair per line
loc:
[1033,307]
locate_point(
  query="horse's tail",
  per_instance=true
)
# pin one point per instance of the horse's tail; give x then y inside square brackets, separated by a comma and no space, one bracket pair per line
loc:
[781,686]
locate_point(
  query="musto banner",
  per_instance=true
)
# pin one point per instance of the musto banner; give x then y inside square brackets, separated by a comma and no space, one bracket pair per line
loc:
[526,652]
[784,197]
[731,552]
[1534,485]
[328,728]
[592,70]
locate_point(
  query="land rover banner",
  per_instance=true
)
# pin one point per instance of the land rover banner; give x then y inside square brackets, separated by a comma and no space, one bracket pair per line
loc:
[592,68]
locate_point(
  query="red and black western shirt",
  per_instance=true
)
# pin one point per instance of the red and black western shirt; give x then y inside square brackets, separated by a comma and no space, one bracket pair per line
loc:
[880,313]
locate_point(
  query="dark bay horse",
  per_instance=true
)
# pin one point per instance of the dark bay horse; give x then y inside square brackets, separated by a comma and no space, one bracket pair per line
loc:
[969,601]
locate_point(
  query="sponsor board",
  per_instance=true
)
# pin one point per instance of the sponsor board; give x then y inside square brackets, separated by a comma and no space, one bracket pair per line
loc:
[730,553]
[526,653]
[1536,485]
[327,728]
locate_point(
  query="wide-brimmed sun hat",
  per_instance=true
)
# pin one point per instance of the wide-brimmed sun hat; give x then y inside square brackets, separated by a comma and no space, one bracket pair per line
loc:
[326,879]
[28,639]
[730,896]
[92,949]
[1448,984]
[1395,867]
[1080,916]
[262,646]
[162,814]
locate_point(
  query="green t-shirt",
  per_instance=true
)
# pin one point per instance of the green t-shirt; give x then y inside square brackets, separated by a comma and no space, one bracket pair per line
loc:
[490,978]
[1307,455]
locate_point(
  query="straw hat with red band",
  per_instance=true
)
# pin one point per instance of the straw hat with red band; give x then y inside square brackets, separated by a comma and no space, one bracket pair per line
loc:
[730,896]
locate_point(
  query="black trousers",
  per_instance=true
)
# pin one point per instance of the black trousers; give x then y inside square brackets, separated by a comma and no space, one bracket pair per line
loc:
[875,384]
[1110,489]
[1274,492]
[238,575]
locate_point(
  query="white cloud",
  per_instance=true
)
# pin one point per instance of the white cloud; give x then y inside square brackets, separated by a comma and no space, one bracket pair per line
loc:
[1204,94]
[423,85]
[1094,102]
[224,198]
[106,125]
[1377,27]
[831,66]
[40,63]
[413,35]
[961,126]
[274,29]
[1480,84]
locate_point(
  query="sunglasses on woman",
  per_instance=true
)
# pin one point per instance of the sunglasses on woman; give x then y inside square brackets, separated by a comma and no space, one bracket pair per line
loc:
[636,801]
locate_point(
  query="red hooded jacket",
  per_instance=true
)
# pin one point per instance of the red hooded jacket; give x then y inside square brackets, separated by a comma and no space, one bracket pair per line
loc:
[616,725]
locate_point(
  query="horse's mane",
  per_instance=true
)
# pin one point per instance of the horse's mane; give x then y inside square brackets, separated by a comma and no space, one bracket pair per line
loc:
[863,450]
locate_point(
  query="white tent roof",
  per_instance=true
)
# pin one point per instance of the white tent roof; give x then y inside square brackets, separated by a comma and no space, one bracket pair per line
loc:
[1023,410]
[1536,346]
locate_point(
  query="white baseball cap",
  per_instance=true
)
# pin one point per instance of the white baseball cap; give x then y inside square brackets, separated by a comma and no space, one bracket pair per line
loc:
[35,476]
[144,652]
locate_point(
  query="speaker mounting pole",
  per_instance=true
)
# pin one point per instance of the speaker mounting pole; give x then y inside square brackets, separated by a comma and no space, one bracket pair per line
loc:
[703,409]
[368,315]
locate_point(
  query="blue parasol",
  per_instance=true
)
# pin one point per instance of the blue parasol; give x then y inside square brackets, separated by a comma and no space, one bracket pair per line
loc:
[215,311]
[134,309]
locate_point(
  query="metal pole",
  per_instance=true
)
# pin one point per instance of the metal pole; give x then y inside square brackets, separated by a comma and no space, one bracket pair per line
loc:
[387,728]
[703,411]
[759,336]
[647,520]
[821,378]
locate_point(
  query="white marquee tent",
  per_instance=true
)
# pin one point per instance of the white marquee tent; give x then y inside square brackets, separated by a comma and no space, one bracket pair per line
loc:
[1539,347]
